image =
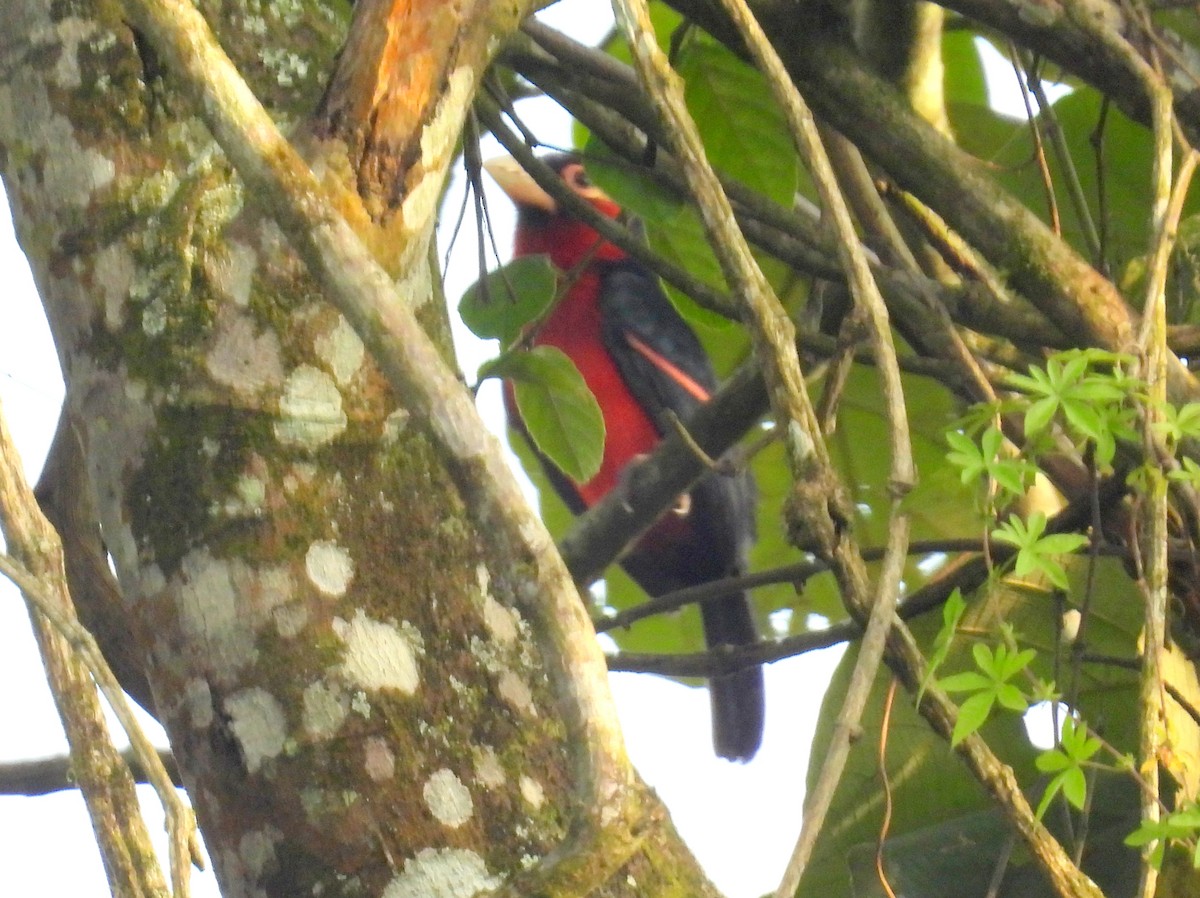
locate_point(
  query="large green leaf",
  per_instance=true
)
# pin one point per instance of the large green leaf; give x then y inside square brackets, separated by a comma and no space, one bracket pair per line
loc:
[744,133]
[559,411]
[940,507]
[673,228]
[959,857]
[965,81]
[1120,173]
[503,302]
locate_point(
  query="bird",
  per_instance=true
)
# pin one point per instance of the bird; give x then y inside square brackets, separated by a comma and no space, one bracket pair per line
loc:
[648,372]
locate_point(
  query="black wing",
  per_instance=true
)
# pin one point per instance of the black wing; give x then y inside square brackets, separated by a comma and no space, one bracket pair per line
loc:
[667,370]
[648,338]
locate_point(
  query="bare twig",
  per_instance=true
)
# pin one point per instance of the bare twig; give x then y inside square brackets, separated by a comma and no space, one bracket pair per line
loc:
[796,574]
[818,510]
[70,654]
[1058,140]
[771,331]
[46,775]
[702,293]
[871,307]
[1025,80]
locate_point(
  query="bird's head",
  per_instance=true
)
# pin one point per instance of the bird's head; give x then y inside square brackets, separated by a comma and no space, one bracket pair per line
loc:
[542,227]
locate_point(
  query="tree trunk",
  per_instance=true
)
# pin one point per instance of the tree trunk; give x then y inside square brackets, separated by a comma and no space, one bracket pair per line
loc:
[367,692]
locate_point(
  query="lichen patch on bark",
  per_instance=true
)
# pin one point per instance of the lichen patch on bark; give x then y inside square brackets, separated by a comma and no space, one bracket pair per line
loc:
[231,271]
[310,409]
[488,770]
[378,655]
[243,357]
[329,567]
[324,709]
[379,759]
[210,612]
[342,350]
[257,721]
[516,692]
[532,791]
[448,799]
[442,873]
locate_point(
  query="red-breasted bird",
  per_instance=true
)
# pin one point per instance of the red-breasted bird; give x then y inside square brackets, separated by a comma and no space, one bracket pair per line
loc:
[643,363]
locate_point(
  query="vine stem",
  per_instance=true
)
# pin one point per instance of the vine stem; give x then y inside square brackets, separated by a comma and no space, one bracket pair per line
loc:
[818,509]
[1168,207]
[870,305]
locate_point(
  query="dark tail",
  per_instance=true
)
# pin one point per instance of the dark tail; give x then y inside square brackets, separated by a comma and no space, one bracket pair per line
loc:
[737,698]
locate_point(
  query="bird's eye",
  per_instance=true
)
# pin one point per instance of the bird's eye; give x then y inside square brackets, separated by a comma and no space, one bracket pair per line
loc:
[578,178]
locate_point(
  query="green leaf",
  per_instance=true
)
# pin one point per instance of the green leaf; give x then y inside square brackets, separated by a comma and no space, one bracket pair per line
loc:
[967,681]
[1179,423]
[966,455]
[1061,543]
[1035,552]
[972,714]
[930,787]
[961,56]
[1052,789]
[1052,760]
[1010,697]
[1040,414]
[1181,824]
[560,413]
[1190,473]
[952,613]
[985,659]
[506,300]
[1074,787]
[745,135]
[1084,417]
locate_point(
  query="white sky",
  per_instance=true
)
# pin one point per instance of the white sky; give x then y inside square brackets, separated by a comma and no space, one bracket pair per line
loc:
[740,819]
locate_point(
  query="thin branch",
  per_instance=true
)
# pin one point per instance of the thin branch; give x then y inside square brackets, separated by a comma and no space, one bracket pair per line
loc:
[46,775]
[771,331]
[599,536]
[796,574]
[1045,269]
[181,824]
[869,304]
[1058,140]
[819,799]
[1044,28]
[70,653]
[610,230]
[1168,206]
[619,117]
[1026,79]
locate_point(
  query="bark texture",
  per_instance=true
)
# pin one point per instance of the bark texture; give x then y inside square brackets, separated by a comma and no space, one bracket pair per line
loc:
[358,687]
